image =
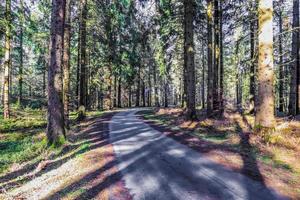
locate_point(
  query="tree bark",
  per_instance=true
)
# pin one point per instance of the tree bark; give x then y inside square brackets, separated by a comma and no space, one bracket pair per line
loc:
[189,51]
[216,69]
[209,58]
[55,127]
[253,50]
[264,116]
[66,62]
[281,69]
[20,78]
[7,61]
[83,82]
[295,66]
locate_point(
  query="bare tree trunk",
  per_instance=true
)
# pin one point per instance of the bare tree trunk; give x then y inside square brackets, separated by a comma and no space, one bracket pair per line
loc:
[55,127]
[138,89]
[156,100]
[221,86]
[66,62]
[7,61]
[253,50]
[281,69]
[203,78]
[264,116]
[209,58]
[82,84]
[20,78]
[189,51]
[295,67]
[216,58]
[120,93]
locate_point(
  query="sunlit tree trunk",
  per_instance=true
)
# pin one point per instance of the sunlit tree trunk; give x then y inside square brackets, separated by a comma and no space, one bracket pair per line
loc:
[295,66]
[264,116]
[209,58]
[7,60]
[66,62]
[55,127]
[189,62]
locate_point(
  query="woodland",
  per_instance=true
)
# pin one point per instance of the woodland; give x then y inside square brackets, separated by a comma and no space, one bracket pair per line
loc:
[224,71]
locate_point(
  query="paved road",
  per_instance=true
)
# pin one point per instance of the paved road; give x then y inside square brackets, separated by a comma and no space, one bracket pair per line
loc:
[156,167]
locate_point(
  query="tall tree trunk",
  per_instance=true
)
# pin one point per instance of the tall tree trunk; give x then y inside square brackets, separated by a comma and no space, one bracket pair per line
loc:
[20,78]
[264,116]
[78,67]
[129,97]
[216,58]
[83,82]
[281,68]
[253,50]
[166,103]
[209,57]
[221,86]
[156,100]
[120,93]
[203,78]
[55,127]
[138,89]
[295,67]
[143,94]
[66,62]
[189,51]
[7,60]
[115,91]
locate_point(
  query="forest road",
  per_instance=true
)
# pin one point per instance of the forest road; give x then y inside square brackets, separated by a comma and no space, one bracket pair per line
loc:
[156,167]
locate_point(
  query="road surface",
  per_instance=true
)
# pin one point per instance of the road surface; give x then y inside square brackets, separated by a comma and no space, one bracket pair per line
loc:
[156,167]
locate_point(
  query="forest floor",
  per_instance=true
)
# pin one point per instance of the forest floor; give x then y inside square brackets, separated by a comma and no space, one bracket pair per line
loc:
[272,159]
[29,170]
[86,166]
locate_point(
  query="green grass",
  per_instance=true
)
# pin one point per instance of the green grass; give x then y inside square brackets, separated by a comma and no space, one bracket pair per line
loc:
[18,147]
[23,138]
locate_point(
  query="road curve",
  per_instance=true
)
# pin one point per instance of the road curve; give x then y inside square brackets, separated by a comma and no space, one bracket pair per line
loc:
[156,167]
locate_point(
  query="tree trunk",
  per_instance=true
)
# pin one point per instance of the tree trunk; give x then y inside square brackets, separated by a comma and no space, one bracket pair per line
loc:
[55,127]
[189,51]
[221,86]
[281,69]
[264,116]
[66,62]
[20,78]
[120,93]
[7,61]
[203,78]
[209,58]
[156,100]
[82,84]
[216,105]
[253,50]
[138,89]
[295,66]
